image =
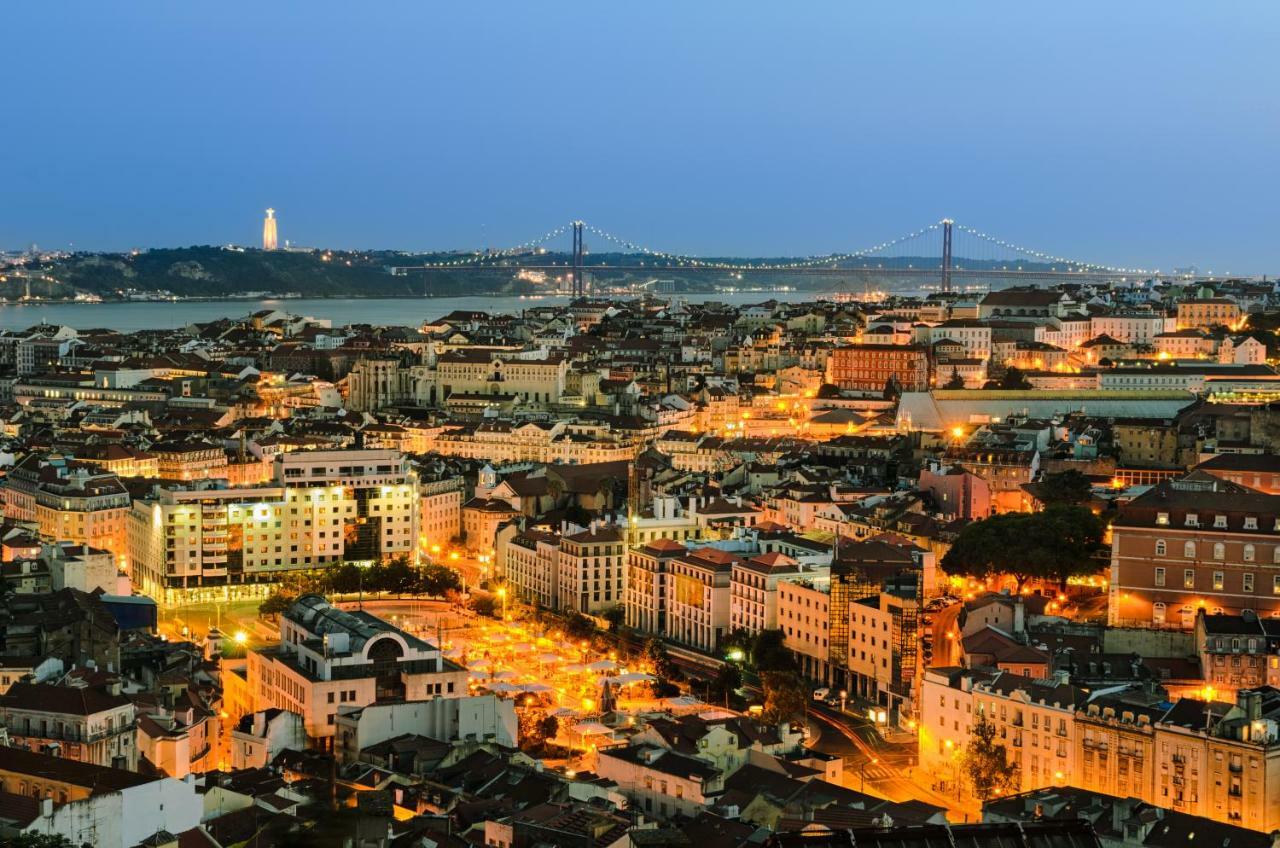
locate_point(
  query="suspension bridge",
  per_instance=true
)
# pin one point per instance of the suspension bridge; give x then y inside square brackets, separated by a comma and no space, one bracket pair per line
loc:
[944,252]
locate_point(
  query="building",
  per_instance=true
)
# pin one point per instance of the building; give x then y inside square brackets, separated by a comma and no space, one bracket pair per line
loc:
[646,587]
[258,737]
[1207,313]
[592,576]
[330,658]
[202,540]
[697,598]
[753,590]
[83,724]
[1191,544]
[94,805]
[804,603]
[871,367]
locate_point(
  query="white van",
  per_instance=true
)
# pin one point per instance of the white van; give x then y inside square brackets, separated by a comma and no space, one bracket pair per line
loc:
[821,694]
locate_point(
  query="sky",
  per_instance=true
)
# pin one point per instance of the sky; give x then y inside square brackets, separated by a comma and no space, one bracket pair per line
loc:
[1136,133]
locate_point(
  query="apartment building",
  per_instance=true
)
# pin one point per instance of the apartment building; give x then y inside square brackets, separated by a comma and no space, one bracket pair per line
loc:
[592,575]
[1209,312]
[804,604]
[329,658]
[1034,719]
[698,598]
[200,540]
[1191,544]
[870,367]
[753,590]
[529,561]
[645,589]
[83,724]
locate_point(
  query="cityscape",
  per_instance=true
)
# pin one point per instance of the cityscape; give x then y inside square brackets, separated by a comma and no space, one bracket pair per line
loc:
[753,521]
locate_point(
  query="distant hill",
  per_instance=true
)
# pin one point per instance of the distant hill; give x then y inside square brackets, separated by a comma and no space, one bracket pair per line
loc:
[205,271]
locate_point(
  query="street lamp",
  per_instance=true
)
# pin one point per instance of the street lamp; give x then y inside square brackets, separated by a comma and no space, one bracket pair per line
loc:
[502,593]
[844,696]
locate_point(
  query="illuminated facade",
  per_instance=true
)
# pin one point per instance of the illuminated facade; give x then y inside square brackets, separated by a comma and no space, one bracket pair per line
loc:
[325,507]
[269,239]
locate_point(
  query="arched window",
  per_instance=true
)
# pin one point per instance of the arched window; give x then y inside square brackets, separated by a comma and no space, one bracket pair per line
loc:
[1160,547]
[1189,550]
[1157,612]
[1248,553]
[1219,550]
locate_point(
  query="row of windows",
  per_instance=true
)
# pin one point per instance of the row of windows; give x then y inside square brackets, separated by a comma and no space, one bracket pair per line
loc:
[1248,553]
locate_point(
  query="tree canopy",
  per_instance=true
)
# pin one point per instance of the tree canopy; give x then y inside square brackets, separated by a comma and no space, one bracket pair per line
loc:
[986,763]
[1060,542]
[1014,379]
[1064,487]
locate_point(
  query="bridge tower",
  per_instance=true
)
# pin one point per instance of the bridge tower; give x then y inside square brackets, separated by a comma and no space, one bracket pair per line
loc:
[579,287]
[946,254]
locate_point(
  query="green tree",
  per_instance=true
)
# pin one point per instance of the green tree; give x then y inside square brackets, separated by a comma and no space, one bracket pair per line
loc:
[784,696]
[656,653]
[37,840]
[549,727]
[738,639]
[438,580]
[986,763]
[727,680]
[344,579]
[768,653]
[486,605]
[1060,542]
[578,626]
[1014,379]
[275,604]
[615,616]
[1064,487]
[955,381]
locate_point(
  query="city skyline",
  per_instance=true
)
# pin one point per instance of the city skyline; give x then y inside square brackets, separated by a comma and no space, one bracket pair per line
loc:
[756,133]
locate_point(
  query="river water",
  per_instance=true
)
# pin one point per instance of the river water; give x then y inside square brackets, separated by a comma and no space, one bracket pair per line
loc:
[404,311]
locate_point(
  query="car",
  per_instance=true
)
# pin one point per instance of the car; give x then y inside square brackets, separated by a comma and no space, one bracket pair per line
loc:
[833,701]
[821,694]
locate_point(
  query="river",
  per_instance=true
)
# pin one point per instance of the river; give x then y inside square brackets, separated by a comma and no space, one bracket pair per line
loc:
[404,311]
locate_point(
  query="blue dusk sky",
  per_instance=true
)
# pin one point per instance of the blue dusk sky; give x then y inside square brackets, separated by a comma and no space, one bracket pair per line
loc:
[1134,133]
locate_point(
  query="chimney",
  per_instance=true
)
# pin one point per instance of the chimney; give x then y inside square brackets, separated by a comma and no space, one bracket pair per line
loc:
[1019,618]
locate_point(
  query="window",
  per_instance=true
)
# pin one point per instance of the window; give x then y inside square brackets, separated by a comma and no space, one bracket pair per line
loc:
[1247,553]
[1246,582]
[1159,577]
[1160,547]
[1220,521]
[1217,581]
[1162,518]
[1157,612]
[1189,550]
[1193,520]
[1189,578]
[1219,550]
[1275,585]
[1251,522]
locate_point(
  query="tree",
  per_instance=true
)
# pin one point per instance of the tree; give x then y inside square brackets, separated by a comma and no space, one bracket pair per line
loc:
[769,654]
[738,639]
[785,695]
[955,381]
[37,840]
[656,653]
[485,605]
[1064,487]
[344,579]
[397,576]
[727,680]
[579,626]
[550,726]
[1060,542]
[986,763]
[438,580]
[275,604]
[615,616]
[1014,379]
